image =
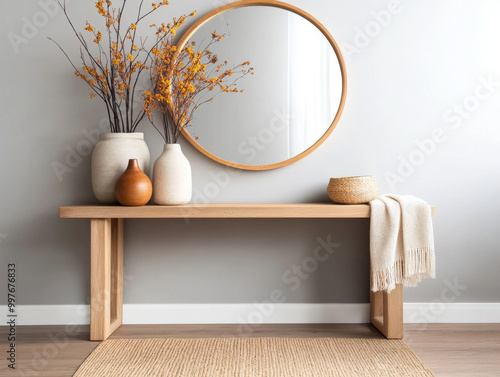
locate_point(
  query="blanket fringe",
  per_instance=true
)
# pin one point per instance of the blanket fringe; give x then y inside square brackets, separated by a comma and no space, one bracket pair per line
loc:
[417,264]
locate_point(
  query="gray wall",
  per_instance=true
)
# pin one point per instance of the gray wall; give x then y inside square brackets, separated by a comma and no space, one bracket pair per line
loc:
[416,76]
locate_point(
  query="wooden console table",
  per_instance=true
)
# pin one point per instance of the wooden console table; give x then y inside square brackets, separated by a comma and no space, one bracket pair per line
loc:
[106,249]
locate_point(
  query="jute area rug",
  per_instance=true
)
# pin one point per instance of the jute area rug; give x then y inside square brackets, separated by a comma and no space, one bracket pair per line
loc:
[253,357]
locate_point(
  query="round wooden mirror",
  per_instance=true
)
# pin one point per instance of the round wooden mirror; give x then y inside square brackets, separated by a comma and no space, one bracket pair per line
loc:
[293,101]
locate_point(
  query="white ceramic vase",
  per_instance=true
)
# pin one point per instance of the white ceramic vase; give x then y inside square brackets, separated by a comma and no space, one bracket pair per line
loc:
[172,182]
[110,159]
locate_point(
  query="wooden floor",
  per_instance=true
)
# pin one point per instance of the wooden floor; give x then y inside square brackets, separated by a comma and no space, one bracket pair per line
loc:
[468,350]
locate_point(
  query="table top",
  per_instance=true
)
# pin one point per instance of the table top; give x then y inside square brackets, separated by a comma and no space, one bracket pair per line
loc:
[220,210]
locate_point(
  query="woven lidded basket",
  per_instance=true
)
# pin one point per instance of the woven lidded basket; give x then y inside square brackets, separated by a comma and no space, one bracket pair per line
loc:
[353,190]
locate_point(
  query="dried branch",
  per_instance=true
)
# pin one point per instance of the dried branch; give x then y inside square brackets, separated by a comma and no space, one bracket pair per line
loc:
[113,70]
[181,83]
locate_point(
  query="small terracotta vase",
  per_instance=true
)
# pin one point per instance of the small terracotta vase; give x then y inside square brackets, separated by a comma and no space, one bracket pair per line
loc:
[109,161]
[133,187]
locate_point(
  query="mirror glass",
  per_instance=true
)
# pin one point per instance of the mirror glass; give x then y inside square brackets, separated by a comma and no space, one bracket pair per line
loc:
[290,104]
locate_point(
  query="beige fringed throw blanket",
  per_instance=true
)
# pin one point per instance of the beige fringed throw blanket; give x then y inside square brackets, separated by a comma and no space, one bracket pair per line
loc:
[401,242]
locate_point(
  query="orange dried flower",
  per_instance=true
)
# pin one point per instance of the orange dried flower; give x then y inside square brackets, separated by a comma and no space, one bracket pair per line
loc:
[112,66]
[180,78]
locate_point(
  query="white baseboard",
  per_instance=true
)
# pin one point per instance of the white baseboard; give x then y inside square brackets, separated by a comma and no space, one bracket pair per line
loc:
[49,314]
[436,312]
[256,313]
[246,313]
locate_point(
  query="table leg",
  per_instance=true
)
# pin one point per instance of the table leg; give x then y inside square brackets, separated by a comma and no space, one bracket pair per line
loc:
[386,312]
[106,280]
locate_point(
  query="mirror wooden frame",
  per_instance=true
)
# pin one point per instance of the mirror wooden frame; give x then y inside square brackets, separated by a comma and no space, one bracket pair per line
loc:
[277,4]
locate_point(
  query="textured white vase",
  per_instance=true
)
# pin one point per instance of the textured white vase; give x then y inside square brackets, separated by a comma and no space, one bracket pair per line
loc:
[172,182]
[110,159]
